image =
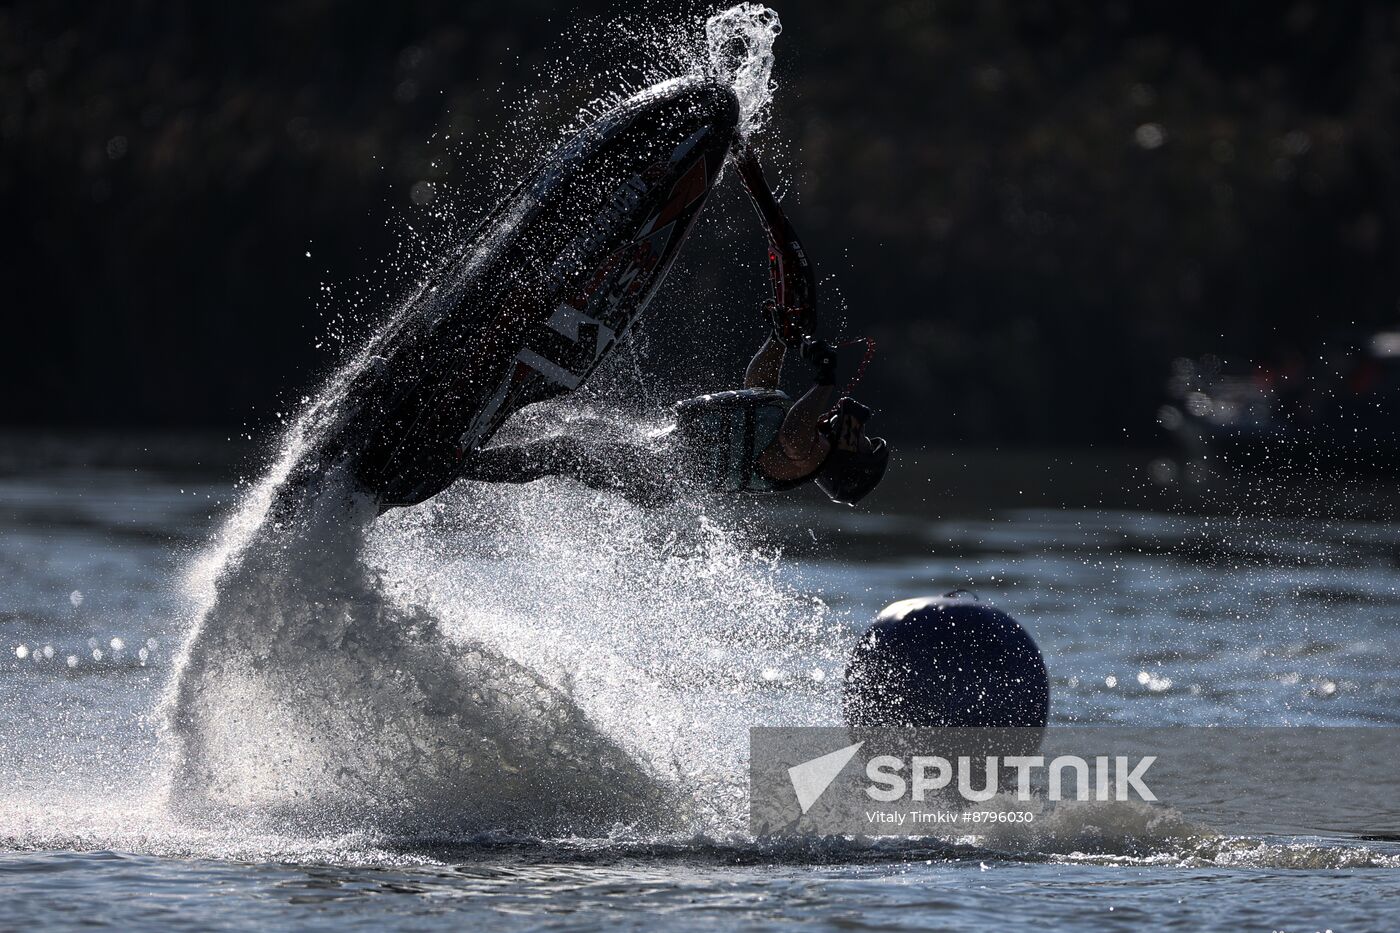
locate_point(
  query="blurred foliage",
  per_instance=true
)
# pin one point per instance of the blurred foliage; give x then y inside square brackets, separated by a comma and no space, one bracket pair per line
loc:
[1033,206]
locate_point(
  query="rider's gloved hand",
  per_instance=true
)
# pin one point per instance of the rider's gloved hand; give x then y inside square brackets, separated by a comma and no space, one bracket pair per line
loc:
[822,357]
[789,324]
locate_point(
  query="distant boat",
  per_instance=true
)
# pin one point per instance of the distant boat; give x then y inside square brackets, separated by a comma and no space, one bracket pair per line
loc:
[1336,412]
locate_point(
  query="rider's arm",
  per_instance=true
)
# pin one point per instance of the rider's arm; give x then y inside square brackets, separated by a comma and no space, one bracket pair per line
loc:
[766,368]
[800,447]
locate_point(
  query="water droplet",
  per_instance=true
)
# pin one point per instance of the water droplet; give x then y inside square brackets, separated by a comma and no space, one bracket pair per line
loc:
[1150,136]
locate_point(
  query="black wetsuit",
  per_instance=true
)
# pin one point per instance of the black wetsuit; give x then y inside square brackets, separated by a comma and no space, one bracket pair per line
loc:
[636,471]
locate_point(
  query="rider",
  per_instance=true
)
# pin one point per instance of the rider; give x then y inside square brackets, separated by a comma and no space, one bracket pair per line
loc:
[754,439]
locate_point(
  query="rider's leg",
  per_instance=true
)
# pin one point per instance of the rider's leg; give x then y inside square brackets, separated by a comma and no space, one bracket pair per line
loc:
[519,463]
[766,368]
[631,470]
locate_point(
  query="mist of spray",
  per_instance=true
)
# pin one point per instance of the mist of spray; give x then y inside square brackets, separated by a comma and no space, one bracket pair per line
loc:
[739,42]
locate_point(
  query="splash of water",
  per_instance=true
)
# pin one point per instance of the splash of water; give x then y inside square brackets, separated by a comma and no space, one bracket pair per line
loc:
[347,674]
[739,42]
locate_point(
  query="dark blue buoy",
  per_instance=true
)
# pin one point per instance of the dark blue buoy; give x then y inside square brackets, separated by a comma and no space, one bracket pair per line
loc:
[946,661]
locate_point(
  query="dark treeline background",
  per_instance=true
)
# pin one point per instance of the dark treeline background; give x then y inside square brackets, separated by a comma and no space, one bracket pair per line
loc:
[1032,205]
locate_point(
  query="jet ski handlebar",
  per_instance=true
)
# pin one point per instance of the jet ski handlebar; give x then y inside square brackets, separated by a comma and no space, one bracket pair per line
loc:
[794,284]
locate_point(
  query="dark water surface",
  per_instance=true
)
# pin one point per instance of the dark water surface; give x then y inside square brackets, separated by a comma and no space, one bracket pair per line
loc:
[1237,615]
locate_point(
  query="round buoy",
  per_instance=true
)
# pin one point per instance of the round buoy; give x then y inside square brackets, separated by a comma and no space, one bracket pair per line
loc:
[946,661]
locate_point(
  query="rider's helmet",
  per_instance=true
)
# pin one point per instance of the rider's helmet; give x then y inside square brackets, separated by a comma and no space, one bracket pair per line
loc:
[857,462]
